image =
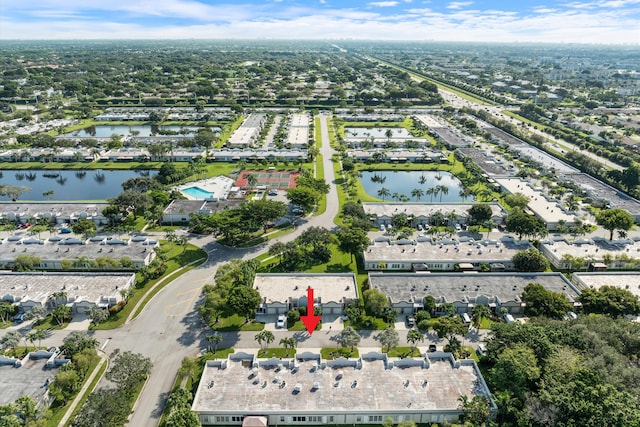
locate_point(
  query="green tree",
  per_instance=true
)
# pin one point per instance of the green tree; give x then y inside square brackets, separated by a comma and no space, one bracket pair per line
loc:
[76,342]
[104,407]
[11,339]
[182,417]
[524,224]
[349,338]
[36,334]
[517,200]
[97,314]
[258,213]
[516,370]
[614,219]
[304,197]
[215,339]
[383,193]
[129,369]
[352,241]
[479,312]
[530,260]
[131,201]
[375,302]
[449,326]
[542,302]
[65,385]
[479,214]
[244,300]
[266,337]
[414,336]
[288,342]
[388,338]
[476,410]
[609,300]
[61,314]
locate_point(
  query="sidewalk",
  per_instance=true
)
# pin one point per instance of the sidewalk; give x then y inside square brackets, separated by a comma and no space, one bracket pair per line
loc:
[103,359]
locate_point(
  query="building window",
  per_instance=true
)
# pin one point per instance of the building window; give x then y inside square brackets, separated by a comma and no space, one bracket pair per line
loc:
[281,419]
[375,418]
[331,419]
[237,419]
[300,419]
[358,419]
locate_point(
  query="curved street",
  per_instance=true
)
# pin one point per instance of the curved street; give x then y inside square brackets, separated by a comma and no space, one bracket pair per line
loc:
[169,328]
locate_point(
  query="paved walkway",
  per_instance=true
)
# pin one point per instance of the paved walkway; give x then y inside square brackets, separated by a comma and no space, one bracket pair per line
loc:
[103,359]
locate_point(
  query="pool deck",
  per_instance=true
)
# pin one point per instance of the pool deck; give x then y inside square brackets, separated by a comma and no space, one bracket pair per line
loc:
[219,186]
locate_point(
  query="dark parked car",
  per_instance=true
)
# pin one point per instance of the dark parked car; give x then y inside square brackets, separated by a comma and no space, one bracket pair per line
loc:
[411,321]
[432,348]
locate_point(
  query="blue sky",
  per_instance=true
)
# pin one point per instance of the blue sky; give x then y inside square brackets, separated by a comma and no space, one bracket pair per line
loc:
[599,21]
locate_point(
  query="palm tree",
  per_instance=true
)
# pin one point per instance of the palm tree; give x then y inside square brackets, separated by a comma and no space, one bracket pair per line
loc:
[479,313]
[444,190]
[395,196]
[288,343]
[383,192]
[465,193]
[215,339]
[404,198]
[252,180]
[430,192]
[486,194]
[413,336]
[417,193]
[422,179]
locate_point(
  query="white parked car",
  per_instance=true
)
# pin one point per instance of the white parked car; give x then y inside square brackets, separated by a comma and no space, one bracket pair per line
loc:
[281,321]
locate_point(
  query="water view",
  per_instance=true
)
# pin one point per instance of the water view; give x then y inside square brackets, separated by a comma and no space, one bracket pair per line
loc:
[144,131]
[417,186]
[69,184]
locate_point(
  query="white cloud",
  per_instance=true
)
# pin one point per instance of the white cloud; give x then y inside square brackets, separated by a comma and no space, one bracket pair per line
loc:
[582,22]
[459,4]
[383,3]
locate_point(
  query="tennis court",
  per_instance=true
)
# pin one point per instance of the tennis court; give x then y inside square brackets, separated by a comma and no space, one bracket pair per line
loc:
[270,179]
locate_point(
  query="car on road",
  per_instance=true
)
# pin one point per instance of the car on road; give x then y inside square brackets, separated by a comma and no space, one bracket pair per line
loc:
[273,192]
[65,230]
[281,321]
[432,348]
[411,321]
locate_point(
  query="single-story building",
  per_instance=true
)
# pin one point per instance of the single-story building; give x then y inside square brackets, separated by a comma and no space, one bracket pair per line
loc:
[77,290]
[58,253]
[382,213]
[283,292]
[627,280]
[406,291]
[55,212]
[307,390]
[615,254]
[426,253]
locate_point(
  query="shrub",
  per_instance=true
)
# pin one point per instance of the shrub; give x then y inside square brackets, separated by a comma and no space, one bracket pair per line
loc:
[293,316]
[422,315]
[423,325]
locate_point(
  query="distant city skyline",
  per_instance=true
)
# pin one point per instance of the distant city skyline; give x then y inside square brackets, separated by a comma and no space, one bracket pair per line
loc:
[549,21]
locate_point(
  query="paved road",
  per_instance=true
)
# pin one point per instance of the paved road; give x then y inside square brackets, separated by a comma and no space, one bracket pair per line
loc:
[169,328]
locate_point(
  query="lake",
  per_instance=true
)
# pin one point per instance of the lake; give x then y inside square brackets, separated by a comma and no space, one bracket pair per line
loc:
[144,131]
[403,182]
[70,184]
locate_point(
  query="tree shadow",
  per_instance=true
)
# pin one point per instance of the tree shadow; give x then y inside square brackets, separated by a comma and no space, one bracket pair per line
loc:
[160,405]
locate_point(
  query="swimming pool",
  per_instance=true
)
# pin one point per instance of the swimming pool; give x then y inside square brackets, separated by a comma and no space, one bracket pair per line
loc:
[197,193]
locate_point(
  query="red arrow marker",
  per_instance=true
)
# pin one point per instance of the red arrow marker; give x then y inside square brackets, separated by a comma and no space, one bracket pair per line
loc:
[310,320]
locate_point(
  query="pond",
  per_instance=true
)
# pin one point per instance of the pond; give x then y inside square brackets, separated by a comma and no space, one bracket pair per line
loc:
[377,133]
[95,184]
[144,131]
[404,182]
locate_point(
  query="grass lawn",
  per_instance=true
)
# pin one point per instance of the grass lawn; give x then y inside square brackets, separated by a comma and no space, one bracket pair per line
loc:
[5,325]
[236,323]
[276,352]
[49,323]
[222,353]
[58,411]
[329,353]
[472,351]
[403,352]
[486,323]
[299,326]
[177,256]
[322,203]
[367,323]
